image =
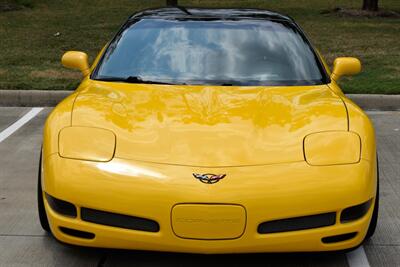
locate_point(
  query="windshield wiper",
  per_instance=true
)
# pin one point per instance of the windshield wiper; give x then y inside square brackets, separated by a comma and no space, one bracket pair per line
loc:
[130,79]
[138,79]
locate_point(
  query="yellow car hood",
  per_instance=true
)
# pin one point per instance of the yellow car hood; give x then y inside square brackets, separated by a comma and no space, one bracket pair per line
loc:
[209,126]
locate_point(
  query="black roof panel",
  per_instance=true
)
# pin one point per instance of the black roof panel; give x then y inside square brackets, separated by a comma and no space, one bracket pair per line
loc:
[208,13]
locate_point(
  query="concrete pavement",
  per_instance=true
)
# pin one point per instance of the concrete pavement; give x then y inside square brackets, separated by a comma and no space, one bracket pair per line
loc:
[24,243]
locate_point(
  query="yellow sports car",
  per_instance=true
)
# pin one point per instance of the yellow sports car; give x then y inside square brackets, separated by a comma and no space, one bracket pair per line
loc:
[209,131]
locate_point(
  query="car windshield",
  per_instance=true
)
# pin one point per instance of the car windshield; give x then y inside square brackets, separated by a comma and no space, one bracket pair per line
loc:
[219,52]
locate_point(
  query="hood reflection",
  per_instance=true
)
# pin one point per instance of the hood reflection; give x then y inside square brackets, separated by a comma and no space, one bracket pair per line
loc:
[130,170]
[209,126]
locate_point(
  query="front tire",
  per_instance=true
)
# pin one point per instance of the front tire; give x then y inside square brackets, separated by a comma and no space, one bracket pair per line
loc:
[374,219]
[44,222]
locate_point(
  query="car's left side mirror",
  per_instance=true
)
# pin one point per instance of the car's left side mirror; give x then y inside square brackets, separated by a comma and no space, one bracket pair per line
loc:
[345,66]
[76,60]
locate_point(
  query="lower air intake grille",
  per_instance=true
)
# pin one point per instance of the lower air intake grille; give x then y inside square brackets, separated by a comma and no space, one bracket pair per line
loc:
[297,223]
[119,220]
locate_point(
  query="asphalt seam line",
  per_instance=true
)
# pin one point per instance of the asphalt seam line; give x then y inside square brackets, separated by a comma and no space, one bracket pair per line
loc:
[12,235]
[357,258]
[19,123]
[382,245]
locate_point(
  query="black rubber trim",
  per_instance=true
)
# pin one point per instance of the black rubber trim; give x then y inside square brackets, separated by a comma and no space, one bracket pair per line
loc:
[355,212]
[44,222]
[119,220]
[338,238]
[61,207]
[297,223]
[77,233]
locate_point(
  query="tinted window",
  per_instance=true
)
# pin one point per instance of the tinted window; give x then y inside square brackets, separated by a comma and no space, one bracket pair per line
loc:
[212,52]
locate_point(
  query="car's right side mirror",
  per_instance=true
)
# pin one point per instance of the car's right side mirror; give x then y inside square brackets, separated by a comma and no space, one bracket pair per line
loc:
[345,66]
[76,60]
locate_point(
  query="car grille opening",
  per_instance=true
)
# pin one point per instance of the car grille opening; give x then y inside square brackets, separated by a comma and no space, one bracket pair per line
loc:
[77,233]
[338,238]
[119,220]
[61,207]
[297,223]
[355,212]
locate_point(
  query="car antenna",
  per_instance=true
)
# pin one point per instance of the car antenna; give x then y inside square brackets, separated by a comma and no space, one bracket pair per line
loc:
[183,9]
[174,3]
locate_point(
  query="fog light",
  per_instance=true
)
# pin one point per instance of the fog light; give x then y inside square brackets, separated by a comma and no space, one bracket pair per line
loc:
[77,233]
[338,238]
[61,207]
[355,212]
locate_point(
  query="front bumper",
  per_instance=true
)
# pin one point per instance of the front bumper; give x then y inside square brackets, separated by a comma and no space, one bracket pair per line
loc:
[267,193]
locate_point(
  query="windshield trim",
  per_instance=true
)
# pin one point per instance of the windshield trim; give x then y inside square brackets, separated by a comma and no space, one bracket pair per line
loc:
[136,80]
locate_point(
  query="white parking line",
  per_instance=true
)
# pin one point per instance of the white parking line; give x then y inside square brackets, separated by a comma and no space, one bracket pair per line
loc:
[357,258]
[19,123]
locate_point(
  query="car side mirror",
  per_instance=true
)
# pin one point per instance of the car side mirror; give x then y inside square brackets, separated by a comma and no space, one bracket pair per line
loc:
[343,66]
[76,60]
